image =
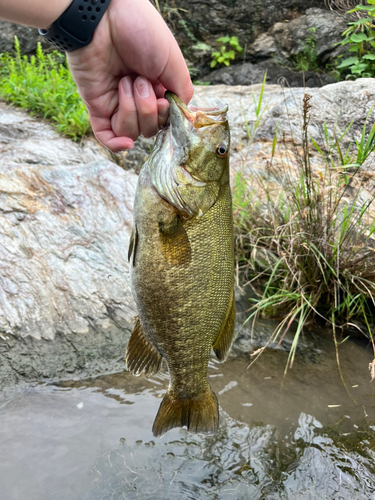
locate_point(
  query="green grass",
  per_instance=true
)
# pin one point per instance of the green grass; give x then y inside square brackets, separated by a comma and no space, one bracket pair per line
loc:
[43,85]
[305,240]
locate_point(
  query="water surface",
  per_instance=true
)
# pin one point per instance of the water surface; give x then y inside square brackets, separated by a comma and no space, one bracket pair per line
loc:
[298,437]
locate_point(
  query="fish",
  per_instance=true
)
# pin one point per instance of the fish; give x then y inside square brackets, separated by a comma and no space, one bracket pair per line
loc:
[181,256]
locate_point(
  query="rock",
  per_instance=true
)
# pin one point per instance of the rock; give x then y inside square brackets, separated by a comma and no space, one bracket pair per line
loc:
[135,158]
[28,38]
[282,46]
[326,27]
[264,46]
[65,218]
[250,74]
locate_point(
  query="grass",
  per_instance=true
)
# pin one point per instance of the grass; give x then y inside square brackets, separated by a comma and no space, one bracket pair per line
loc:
[44,85]
[305,237]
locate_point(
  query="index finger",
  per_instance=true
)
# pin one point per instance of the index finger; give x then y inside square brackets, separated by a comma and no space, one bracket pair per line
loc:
[175,76]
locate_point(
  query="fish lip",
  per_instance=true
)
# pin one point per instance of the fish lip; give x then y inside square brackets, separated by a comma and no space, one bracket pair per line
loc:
[194,113]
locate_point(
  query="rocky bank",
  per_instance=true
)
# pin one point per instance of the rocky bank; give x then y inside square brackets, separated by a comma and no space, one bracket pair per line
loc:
[65,217]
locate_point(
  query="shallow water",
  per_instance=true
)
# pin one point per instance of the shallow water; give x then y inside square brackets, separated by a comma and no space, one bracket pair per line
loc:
[300,437]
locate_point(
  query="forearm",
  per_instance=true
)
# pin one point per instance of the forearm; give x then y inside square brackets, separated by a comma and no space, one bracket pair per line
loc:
[35,13]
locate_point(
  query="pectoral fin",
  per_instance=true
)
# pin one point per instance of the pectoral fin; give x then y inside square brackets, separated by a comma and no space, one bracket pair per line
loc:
[224,340]
[174,242]
[133,244]
[141,355]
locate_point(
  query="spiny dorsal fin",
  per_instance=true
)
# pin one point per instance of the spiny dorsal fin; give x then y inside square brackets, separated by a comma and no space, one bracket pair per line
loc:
[197,414]
[225,338]
[141,355]
[175,243]
[133,244]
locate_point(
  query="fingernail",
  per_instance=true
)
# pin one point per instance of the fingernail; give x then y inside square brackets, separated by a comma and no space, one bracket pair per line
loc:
[127,85]
[143,87]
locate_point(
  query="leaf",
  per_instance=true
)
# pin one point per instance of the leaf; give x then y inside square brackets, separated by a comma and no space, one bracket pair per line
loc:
[360,37]
[361,7]
[213,64]
[371,57]
[362,21]
[230,54]
[223,39]
[348,62]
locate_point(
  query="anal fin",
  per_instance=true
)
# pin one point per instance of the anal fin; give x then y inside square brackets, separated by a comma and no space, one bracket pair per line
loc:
[141,355]
[225,339]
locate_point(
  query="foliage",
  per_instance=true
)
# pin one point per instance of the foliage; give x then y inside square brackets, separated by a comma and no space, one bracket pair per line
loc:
[44,85]
[166,10]
[306,248]
[223,55]
[360,38]
[307,59]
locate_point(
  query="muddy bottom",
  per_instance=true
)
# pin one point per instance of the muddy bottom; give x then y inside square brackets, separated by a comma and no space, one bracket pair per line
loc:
[296,437]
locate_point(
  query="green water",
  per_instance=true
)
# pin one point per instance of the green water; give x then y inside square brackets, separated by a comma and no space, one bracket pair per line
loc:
[300,437]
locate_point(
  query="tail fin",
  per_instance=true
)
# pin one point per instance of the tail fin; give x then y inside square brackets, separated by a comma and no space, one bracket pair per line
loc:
[198,414]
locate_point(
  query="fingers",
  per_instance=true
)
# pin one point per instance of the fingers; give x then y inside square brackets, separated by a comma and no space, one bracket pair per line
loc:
[147,108]
[125,120]
[139,110]
[163,112]
[175,76]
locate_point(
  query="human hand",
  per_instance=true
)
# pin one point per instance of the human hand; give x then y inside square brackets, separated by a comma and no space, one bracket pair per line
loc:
[123,73]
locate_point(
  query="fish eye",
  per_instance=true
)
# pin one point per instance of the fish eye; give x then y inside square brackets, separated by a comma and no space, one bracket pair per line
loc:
[222,150]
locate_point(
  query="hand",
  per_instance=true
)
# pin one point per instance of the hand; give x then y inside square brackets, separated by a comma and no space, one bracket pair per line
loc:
[123,73]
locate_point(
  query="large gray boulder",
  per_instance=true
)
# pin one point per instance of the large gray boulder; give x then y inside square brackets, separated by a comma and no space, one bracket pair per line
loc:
[252,73]
[278,51]
[65,217]
[326,27]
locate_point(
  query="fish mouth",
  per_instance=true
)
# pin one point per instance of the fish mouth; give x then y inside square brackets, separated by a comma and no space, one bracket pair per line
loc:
[196,116]
[183,122]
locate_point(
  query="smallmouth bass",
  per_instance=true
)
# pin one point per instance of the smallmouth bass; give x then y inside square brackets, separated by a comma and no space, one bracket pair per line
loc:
[182,263]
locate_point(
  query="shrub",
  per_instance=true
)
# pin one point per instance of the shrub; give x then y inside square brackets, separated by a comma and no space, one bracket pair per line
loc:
[44,85]
[223,55]
[360,39]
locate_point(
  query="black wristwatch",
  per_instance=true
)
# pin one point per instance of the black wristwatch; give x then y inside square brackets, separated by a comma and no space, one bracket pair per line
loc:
[76,25]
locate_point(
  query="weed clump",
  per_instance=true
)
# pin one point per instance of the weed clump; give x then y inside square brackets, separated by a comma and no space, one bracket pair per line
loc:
[305,237]
[44,85]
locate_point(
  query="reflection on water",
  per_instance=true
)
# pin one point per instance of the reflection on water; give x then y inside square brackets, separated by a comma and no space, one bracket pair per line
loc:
[298,438]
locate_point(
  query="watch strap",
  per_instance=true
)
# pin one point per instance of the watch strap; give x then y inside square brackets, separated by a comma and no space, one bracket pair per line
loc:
[76,25]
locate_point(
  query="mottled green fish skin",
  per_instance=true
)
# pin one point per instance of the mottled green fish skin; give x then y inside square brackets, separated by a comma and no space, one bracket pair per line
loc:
[182,280]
